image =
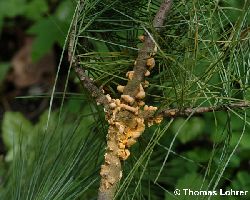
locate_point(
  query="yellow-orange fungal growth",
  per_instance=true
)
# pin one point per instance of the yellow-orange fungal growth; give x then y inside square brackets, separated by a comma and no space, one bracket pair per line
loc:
[140,128]
[123,154]
[108,97]
[141,103]
[120,88]
[103,171]
[107,162]
[172,113]
[121,146]
[134,110]
[130,142]
[146,84]
[130,75]
[141,94]
[158,119]
[127,129]
[150,108]
[128,99]
[141,38]
[112,105]
[150,123]
[117,102]
[147,73]
[151,63]
[120,127]
[136,133]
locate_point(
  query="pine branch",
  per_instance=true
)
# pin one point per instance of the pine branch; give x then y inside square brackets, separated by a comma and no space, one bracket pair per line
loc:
[127,116]
[145,58]
[90,86]
[126,123]
[173,113]
[86,82]
[186,112]
[161,14]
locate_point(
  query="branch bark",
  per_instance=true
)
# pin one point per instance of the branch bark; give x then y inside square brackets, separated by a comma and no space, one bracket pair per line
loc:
[173,113]
[90,86]
[126,119]
[125,123]
[186,112]
[86,81]
[146,53]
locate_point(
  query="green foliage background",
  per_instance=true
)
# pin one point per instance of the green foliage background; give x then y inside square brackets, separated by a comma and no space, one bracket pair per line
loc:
[203,60]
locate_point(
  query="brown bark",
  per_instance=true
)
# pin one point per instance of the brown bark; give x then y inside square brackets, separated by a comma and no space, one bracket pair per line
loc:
[128,115]
[126,123]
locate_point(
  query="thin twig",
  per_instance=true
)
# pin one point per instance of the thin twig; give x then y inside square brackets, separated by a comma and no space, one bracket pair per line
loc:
[147,51]
[90,86]
[86,82]
[199,110]
[161,14]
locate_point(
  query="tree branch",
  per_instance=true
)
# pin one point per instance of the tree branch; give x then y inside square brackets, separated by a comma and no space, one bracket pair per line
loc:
[86,82]
[126,118]
[161,14]
[125,122]
[196,111]
[145,58]
[90,86]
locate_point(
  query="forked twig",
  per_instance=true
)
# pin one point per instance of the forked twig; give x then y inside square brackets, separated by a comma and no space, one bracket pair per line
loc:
[125,116]
[125,123]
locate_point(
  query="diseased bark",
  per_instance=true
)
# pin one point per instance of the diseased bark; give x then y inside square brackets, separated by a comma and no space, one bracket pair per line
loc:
[128,116]
[145,58]
[126,123]
[111,169]
[140,68]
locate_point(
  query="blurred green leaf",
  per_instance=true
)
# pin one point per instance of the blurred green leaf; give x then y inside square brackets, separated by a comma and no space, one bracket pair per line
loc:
[47,33]
[190,129]
[64,11]
[242,183]
[15,128]
[12,8]
[51,30]
[245,142]
[3,70]
[199,154]
[31,9]
[191,181]
[35,9]
[14,124]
